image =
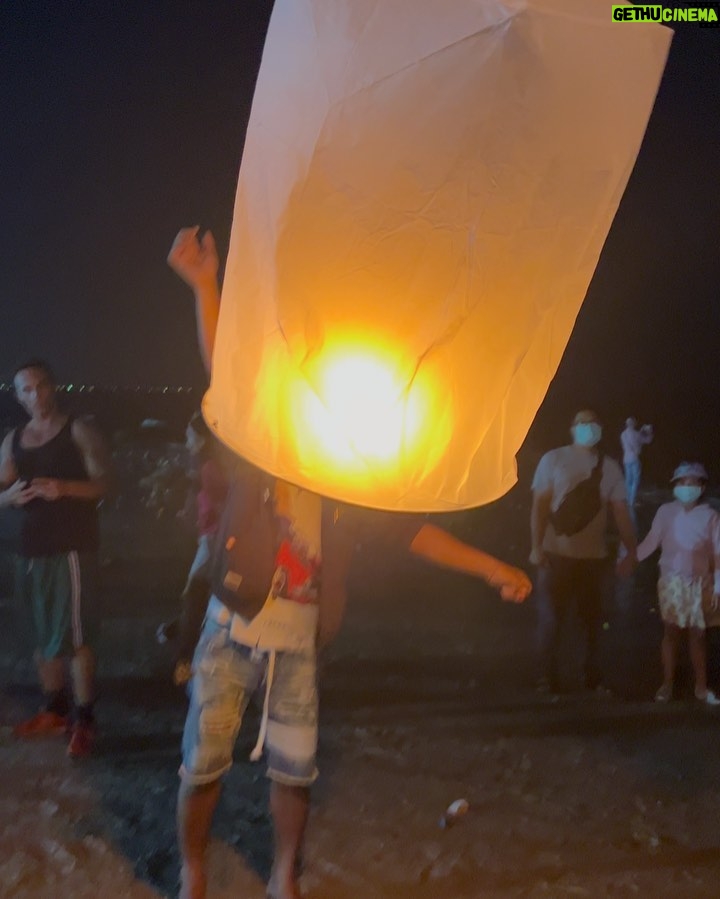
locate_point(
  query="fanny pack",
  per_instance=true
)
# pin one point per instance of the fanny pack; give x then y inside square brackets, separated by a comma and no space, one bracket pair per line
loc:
[580,505]
[282,625]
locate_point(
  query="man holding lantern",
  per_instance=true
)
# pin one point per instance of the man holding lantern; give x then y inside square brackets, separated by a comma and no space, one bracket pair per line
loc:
[278,595]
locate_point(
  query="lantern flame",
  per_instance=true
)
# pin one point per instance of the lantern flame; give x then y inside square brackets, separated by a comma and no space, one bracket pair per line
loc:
[355,410]
[371,406]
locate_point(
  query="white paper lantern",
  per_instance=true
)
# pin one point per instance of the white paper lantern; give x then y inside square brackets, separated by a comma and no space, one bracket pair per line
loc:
[425,190]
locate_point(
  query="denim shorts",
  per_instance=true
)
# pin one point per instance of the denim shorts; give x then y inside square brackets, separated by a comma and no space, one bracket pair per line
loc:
[225,675]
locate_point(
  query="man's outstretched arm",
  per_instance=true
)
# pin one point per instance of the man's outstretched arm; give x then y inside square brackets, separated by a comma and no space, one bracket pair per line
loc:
[441,548]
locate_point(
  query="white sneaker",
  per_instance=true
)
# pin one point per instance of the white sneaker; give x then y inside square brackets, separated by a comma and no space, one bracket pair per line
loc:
[708,697]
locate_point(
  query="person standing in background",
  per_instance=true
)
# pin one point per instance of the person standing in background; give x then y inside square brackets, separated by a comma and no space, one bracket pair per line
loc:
[209,487]
[56,468]
[572,489]
[632,441]
[687,532]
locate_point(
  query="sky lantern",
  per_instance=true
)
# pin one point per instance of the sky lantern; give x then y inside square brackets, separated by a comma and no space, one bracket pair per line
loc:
[425,190]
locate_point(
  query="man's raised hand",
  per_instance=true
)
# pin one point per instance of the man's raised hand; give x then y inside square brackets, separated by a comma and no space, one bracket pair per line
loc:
[194,259]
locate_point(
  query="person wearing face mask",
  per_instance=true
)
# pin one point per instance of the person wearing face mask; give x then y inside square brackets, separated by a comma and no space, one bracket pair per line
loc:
[688,535]
[573,488]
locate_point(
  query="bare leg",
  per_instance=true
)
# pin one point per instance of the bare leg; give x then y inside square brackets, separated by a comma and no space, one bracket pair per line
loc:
[289,807]
[668,653]
[195,809]
[82,668]
[698,658]
[52,674]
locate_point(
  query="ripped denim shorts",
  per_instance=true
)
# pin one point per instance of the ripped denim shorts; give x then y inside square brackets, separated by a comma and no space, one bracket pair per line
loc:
[225,675]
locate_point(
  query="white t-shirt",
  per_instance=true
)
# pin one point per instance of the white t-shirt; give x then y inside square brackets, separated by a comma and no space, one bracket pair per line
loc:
[632,442]
[558,472]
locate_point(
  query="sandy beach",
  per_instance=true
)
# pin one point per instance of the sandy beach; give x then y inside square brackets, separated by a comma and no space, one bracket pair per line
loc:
[426,699]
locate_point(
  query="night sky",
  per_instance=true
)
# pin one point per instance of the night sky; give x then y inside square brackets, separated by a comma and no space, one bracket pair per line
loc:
[123,121]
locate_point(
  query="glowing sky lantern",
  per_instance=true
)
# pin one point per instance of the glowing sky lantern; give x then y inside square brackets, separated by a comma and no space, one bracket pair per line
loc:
[425,189]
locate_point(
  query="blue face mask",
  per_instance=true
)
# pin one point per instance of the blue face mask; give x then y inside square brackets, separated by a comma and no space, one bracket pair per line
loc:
[687,493]
[587,433]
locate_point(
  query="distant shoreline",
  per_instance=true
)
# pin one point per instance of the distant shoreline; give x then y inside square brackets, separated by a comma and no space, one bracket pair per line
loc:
[117,409]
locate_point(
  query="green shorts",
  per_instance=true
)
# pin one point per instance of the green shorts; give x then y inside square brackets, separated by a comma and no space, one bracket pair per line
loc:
[63,595]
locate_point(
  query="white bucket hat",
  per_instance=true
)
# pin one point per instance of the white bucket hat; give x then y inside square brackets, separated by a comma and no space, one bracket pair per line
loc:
[689,470]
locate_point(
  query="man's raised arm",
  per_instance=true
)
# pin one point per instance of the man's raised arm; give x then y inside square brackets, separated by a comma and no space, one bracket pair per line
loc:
[195,260]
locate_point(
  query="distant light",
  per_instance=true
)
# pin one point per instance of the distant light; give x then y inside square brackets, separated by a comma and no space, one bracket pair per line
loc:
[69,388]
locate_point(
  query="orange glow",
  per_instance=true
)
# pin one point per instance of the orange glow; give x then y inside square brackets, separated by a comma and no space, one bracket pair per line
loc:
[424,193]
[354,411]
[370,405]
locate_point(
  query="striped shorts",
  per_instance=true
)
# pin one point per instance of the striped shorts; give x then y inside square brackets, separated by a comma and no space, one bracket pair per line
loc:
[63,594]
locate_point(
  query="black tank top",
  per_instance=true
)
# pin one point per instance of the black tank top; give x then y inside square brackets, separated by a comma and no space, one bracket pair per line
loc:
[55,526]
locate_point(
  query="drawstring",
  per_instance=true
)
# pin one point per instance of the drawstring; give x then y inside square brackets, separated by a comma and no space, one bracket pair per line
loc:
[256,754]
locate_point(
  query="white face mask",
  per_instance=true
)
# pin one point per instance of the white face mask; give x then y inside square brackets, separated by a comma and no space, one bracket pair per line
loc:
[687,493]
[586,433]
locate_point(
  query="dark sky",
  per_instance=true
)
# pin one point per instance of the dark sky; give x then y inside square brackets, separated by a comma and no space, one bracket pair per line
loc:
[122,121]
[647,340]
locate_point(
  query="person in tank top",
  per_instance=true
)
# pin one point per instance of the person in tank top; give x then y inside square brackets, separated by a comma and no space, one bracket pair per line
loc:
[55,469]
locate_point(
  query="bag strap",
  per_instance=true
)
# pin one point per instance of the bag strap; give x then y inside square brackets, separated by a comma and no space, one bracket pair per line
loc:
[596,473]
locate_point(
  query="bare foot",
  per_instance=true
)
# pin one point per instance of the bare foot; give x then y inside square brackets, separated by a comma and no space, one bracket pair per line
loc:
[277,889]
[193,883]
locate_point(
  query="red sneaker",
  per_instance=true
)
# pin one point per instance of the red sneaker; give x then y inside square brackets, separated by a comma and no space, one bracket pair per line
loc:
[44,724]
[82,741]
